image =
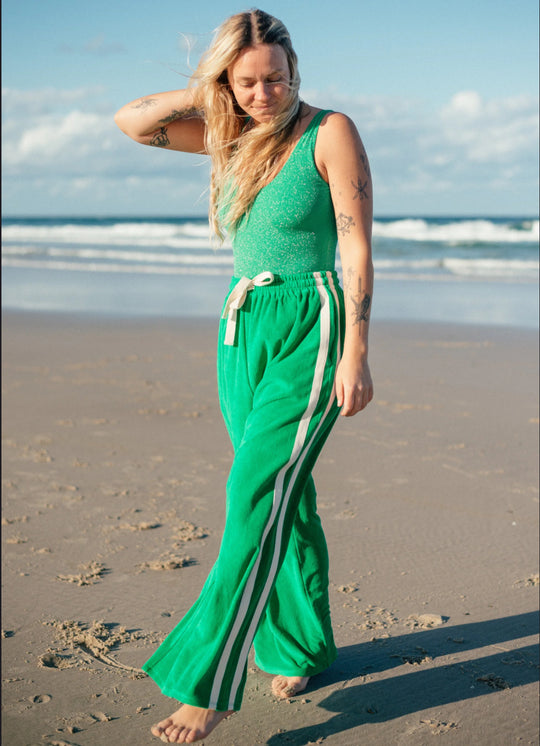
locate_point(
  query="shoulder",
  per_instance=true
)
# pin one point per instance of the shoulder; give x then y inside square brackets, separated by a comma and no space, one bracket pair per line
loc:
[335,124]
[338,146]
[336,131]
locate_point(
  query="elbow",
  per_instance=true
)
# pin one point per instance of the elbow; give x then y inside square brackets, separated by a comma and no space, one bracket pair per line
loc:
[124,122]
[120,121]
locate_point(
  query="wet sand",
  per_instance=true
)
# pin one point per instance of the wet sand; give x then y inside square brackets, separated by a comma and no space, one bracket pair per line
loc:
[115,460]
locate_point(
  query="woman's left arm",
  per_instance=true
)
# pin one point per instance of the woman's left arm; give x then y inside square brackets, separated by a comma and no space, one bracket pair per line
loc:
[341,157]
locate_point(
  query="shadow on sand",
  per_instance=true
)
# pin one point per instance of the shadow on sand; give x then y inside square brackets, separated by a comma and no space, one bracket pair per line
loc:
[422,688]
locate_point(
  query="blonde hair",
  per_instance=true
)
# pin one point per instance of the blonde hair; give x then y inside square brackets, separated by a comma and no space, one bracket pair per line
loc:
[244,159]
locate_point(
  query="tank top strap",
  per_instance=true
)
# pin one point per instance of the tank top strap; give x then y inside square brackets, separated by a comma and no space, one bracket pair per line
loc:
[309,137]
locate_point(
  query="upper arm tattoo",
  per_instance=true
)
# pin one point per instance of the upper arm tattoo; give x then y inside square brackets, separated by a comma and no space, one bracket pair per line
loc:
[361,186]
[360,189]
[344,223]
[160,139]
[365,163]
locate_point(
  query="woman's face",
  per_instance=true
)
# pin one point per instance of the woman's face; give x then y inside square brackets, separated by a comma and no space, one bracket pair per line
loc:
[259,79]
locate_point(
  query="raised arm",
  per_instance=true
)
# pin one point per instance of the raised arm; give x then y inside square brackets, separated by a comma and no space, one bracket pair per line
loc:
[343,158]
[164,120]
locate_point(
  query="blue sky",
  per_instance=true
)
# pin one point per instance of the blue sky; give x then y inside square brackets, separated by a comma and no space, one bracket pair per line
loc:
[444,94]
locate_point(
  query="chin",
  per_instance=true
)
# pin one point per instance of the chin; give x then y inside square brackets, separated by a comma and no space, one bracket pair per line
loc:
[264,116]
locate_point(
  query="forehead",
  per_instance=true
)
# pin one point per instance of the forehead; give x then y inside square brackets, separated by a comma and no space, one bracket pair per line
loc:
[262,58]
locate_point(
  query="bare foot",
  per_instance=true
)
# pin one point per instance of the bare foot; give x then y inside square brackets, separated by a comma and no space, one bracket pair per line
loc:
[288,686]
[188,724]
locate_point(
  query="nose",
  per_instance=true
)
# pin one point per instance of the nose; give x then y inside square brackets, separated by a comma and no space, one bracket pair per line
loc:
[262,92]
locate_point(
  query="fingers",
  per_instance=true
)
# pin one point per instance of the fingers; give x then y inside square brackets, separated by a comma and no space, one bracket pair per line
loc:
[355,400]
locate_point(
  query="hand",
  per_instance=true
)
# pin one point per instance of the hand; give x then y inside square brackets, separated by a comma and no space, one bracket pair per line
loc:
[354,387]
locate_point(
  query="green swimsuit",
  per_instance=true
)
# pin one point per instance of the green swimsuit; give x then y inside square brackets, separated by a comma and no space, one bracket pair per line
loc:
[291,226]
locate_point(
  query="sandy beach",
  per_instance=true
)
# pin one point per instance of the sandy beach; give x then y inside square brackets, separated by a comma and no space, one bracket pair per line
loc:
[115,459]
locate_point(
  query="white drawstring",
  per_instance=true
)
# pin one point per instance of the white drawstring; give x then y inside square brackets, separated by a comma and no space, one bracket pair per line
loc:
[237,298]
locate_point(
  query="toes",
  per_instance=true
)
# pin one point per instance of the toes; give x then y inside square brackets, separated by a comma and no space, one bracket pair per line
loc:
[183,735]
[279,684]
[284,688]
[158,730]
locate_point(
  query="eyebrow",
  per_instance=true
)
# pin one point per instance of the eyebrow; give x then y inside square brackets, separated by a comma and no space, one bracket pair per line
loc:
[279,71]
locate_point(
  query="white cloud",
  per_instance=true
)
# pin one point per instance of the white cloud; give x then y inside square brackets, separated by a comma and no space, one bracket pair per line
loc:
[470,155]
[18,105]
[53,138]
[77,138]
[496,131]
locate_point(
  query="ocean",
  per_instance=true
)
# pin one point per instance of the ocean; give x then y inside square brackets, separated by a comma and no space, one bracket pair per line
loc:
[461,270]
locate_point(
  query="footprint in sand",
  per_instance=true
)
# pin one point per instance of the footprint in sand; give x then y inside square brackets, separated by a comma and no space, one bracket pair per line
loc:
[494,682]
[91,573]
[89,643]
[426,621]
[169,562]
[39,699]
[530,582]
[437,727]
[55,660]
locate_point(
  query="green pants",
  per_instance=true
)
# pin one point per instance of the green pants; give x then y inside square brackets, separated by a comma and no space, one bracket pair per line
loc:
[269,585]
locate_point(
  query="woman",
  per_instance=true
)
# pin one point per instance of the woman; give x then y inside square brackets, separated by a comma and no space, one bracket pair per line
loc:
[287,180]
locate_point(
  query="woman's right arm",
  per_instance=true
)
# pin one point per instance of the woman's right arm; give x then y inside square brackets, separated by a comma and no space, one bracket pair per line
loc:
[164,120]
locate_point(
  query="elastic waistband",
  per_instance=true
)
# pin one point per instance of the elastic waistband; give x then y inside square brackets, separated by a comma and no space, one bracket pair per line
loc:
[294,281]
[268,282]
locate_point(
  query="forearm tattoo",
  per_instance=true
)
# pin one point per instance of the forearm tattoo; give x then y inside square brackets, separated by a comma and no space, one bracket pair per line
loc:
[361,302]
[179,114]
[145,103]
[160,139]
[344,223]
[361,308]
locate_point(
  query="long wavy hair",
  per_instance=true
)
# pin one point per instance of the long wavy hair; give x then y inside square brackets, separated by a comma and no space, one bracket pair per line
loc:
[244,158]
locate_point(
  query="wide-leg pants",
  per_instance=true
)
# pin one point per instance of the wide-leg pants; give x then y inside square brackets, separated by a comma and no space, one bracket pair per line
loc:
[269,585]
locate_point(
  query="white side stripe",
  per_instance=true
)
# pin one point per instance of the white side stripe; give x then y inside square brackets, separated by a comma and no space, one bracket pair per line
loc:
[334,293]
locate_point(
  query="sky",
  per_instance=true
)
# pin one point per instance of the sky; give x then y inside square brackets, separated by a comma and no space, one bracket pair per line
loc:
[444,95]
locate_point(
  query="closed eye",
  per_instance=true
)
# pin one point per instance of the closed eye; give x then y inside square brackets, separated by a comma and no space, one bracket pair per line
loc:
[248,83]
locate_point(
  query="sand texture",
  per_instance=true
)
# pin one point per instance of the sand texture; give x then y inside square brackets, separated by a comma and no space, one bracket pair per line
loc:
[115,460]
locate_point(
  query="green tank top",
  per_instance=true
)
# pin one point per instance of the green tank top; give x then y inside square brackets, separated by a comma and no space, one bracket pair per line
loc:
[291,226]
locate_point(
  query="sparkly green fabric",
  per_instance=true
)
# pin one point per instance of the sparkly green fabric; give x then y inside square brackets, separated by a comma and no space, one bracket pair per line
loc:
[291,225]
